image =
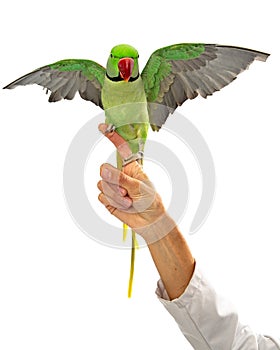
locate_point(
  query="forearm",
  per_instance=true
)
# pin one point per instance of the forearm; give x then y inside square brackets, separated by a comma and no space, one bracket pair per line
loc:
[174,262]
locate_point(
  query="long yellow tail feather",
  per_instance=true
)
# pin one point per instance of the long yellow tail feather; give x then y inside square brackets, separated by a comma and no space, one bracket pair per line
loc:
[132,261]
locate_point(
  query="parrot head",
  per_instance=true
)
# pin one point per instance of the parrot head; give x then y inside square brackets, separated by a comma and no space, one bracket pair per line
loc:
[122,63]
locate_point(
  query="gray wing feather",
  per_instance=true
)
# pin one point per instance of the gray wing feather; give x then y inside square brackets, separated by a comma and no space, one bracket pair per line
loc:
[62,84]
[215,68]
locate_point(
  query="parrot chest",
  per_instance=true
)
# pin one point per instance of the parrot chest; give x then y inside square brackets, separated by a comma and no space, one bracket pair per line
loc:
[121,92]
[125,107]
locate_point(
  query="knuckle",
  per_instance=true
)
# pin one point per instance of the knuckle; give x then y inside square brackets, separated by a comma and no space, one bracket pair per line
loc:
[122,180]
[100,197]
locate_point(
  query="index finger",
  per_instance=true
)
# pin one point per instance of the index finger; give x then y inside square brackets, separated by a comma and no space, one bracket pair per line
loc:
[121,145]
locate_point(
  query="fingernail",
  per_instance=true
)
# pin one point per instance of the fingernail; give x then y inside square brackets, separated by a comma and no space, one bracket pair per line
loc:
[106,174]
[122,191]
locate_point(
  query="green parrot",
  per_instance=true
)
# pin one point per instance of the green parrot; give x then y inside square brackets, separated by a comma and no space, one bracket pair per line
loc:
[133,101]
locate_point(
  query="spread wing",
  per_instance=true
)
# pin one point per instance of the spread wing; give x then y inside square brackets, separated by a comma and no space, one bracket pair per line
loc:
[65,78]
[179,72]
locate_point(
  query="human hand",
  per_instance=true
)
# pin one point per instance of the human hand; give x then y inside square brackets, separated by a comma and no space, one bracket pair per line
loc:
[130,196]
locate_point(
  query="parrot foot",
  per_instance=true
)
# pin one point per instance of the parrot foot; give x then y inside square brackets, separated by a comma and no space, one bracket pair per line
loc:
[110,128]
[141,146]
[133,157]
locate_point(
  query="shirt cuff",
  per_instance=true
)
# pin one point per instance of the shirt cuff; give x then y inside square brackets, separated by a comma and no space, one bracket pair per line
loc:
[193,285]
[209,321]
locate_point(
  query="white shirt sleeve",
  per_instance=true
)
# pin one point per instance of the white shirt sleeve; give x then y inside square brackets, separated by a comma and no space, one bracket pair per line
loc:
[210,322]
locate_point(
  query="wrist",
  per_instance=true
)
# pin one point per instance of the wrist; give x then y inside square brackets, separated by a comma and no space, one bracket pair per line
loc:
[160,228]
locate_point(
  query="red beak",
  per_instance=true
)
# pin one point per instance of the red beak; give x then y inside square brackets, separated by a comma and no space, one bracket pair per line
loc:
[126,67]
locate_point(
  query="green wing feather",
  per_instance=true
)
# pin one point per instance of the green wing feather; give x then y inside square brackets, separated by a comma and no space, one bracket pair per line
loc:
[64,78]
[179,72]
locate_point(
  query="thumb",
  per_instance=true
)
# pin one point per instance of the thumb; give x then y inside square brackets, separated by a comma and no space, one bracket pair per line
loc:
[132,169]
[118,141]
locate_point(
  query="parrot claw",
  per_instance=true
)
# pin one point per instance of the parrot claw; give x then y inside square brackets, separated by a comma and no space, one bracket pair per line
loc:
[133,157]
[110,128]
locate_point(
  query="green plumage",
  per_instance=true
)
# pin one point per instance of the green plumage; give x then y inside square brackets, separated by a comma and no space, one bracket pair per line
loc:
[91,70]
[125,107]
[131,101]
[159,66]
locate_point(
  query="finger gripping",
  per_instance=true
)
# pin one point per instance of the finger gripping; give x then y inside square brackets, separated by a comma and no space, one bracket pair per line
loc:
[110,208]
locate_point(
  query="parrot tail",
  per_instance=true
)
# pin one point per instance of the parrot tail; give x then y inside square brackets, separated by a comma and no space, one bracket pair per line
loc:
[125,228]
[134,246]
[134,243]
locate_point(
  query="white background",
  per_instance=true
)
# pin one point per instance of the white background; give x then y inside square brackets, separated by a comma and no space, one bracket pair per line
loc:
[58,288]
